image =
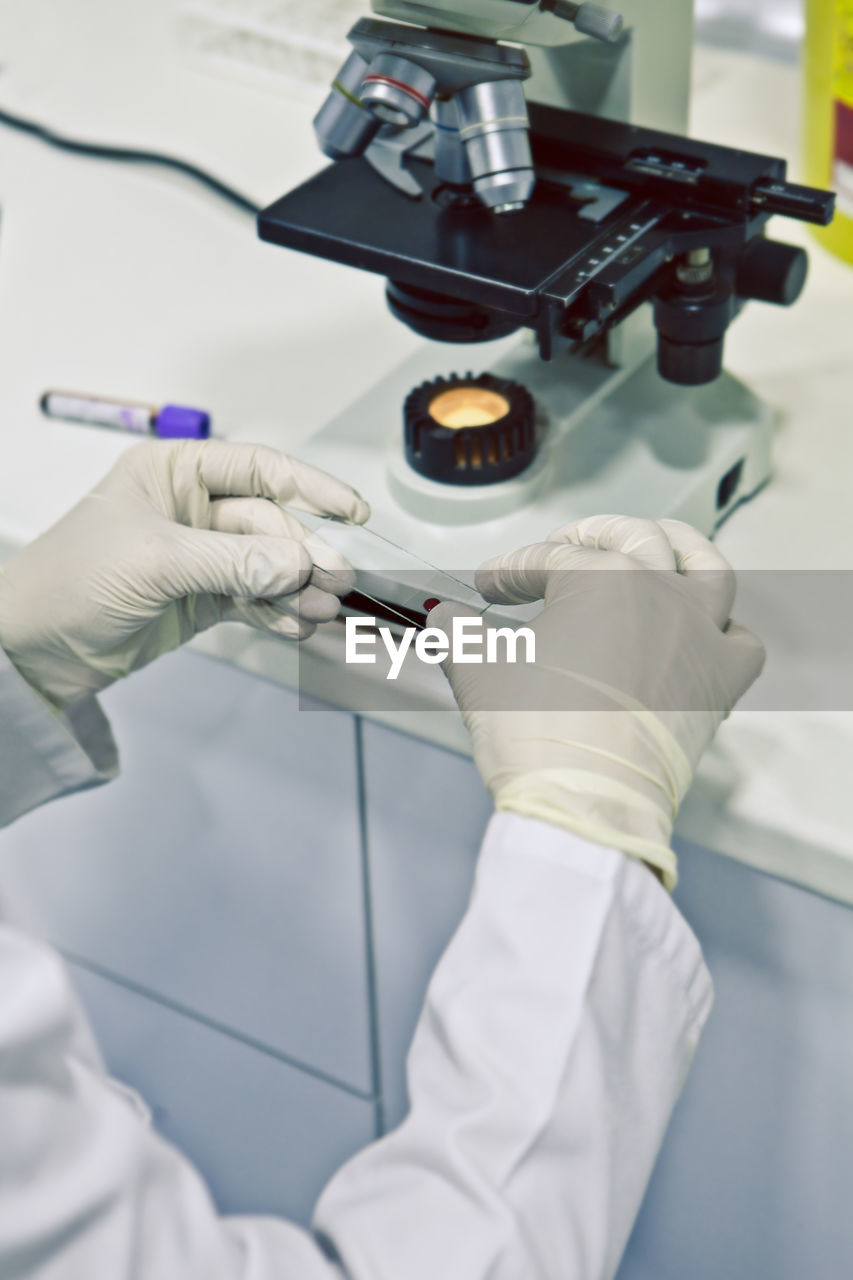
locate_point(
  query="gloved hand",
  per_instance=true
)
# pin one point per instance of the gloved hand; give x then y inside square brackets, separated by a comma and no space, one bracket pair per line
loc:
[637,663]
[176,537]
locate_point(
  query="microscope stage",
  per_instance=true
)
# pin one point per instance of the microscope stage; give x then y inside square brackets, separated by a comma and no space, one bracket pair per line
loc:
[348,213]
[613,204]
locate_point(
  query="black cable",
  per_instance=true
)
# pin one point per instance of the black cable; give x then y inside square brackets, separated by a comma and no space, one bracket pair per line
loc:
[128,155]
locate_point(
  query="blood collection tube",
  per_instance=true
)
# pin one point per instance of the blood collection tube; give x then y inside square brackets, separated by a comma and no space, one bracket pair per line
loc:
[171,422]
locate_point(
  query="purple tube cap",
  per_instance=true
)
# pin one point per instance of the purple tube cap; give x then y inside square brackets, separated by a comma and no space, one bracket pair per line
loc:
[175,422]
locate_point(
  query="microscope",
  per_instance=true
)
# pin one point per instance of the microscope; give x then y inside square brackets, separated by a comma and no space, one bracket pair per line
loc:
[519,173]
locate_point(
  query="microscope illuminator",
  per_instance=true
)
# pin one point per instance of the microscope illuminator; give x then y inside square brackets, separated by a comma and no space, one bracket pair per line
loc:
[469,430]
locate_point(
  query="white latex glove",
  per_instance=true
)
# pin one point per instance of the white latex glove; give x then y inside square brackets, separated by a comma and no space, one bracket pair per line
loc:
[637,663]
[176,537]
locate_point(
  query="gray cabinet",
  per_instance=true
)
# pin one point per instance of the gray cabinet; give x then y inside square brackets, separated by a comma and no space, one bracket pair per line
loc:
[756,1173]
[266,1136]
[426,810]
[223,869]
[217,898]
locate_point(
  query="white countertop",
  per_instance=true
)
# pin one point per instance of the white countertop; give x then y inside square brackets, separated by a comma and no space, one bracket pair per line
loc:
[136,283]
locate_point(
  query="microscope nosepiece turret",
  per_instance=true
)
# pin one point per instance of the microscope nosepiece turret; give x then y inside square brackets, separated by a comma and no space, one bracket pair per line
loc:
[397,75]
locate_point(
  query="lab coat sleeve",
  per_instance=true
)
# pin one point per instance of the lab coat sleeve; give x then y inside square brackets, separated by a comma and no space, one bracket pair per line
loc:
[45,753]
[555,1037]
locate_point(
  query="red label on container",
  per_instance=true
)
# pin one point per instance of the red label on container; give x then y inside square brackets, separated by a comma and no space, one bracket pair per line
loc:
[842,167]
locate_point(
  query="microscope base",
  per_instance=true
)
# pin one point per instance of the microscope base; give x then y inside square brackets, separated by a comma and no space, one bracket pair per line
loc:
[615,440]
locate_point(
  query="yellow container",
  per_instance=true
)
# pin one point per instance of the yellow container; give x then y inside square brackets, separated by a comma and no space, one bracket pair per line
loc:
[828,132]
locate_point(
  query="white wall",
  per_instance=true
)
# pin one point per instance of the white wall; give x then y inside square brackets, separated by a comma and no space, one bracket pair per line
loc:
[771,27]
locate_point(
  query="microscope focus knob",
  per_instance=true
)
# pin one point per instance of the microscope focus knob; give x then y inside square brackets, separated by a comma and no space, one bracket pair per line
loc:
[771,271]
[469,430]
[691,321]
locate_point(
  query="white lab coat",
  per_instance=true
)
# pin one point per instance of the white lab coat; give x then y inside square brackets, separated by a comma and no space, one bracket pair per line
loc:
[556,1035]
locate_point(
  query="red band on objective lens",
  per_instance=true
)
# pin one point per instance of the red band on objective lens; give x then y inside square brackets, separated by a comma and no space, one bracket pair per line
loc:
[398,84]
